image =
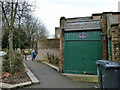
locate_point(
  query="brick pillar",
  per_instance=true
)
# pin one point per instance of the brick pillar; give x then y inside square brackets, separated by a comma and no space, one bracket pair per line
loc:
[115,43]
[62,28]
[104,30]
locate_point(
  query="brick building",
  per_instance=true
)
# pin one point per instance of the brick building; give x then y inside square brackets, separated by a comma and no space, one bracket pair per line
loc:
[57,32]
[110,32]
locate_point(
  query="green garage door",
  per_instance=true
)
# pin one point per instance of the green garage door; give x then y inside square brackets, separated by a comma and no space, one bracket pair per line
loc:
[82,49]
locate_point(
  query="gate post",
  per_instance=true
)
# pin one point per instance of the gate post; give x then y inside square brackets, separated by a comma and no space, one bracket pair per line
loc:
[62,28]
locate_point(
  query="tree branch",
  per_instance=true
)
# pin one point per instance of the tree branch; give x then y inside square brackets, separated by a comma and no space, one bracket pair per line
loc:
[5,16]
[15,11]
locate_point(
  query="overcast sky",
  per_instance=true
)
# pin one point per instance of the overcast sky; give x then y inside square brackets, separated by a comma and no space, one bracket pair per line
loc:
[50,11]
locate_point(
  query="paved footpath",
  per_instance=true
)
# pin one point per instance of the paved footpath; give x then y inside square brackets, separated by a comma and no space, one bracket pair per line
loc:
[50,78]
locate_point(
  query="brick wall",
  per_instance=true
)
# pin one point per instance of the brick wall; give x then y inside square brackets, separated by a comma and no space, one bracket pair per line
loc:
[104,41]
[113,36]
[96,17]
[111,33]
[48,46]
[116,17]
[115,44]
[110,28]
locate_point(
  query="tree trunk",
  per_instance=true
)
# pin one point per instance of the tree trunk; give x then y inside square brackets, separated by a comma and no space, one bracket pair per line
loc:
[10,46]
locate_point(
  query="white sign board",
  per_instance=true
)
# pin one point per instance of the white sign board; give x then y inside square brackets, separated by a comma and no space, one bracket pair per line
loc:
[119,6]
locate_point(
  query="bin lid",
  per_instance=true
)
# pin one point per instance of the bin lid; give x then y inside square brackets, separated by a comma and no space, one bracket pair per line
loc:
[108,63]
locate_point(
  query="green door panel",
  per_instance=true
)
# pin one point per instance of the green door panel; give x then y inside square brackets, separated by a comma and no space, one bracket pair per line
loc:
[73,58]
[89,35]
[81,52]
[92,53]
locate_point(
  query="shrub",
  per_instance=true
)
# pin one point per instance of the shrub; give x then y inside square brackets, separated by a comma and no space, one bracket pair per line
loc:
[16,63]
[53,59]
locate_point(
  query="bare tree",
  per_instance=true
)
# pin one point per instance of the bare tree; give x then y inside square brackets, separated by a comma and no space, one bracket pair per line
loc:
[34,29]
[13,11]
[17,15]
[10,23]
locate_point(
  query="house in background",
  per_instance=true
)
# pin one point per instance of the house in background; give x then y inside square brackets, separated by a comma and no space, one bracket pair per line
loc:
[83,40]
[57,32]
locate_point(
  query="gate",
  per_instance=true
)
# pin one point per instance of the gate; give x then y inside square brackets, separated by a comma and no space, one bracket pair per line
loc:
[81,51]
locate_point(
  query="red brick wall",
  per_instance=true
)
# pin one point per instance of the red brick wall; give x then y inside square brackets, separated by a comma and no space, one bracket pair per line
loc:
[115,43]
[104,30]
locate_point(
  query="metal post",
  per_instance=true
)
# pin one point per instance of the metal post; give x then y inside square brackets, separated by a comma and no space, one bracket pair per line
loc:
[0,29]
[0,40]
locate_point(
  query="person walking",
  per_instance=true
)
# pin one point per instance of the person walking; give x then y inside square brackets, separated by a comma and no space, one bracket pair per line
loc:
[33,55]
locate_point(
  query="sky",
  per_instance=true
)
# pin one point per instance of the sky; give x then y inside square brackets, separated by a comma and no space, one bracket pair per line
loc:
[50,11]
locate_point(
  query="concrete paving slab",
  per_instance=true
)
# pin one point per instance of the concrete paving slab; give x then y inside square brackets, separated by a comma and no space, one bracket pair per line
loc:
[22,84]
[5,85]
[51,65]
[31,75]
[79,75]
